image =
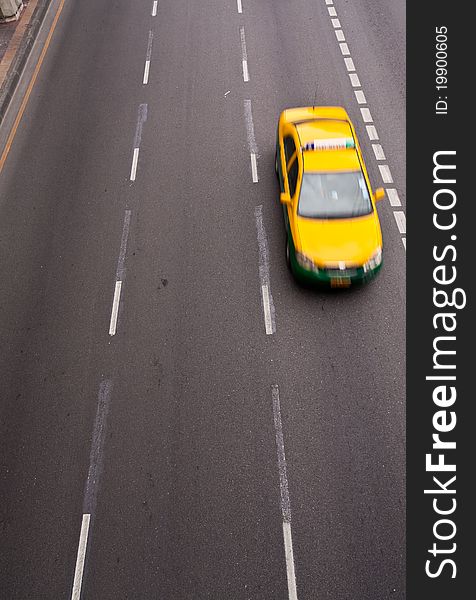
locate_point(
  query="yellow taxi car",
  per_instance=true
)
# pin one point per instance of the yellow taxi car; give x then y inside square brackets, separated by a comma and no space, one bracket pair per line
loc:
[333,230]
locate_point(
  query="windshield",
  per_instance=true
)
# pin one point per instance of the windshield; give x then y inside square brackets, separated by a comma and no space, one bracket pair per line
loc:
[334,195]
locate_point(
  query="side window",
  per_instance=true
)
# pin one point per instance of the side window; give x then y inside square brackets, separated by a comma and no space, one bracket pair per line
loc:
[292,176]
[289,149]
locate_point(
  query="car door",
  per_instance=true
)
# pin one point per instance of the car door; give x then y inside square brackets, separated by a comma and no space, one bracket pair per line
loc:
[290,174]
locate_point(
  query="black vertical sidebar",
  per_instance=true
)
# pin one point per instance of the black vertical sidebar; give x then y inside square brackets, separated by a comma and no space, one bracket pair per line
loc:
[441,268]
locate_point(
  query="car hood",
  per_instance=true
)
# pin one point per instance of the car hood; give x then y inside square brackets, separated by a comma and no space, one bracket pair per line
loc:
[332,241]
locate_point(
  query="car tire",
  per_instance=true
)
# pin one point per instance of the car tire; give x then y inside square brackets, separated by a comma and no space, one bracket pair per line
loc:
[276,163]
[288,254]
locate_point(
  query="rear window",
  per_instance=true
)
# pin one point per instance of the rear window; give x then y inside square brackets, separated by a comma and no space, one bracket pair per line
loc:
[334,195]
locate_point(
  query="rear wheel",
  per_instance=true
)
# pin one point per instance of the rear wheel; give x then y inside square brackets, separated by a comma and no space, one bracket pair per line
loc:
[276,163]
[288,255]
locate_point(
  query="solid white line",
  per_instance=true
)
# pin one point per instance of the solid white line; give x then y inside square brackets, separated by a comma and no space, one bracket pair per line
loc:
[378,151]
[145,80]
[335,23]
[154,9]
[372,132]
[366,116]
[239,5]
[392,195]
[349,63]
[135,159]
[344,48]
[385,173]
[404,242]
[288,551]
[267,310]
[246,75]
[115,308]
[332,11]
[340,35]
[254,167]
[78,572]
[401,221]
[360,96]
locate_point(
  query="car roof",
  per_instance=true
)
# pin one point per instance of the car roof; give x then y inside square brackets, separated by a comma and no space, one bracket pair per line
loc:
[327,159]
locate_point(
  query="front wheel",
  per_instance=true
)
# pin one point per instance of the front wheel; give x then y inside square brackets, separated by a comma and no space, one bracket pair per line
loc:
[288,255]
[276,163]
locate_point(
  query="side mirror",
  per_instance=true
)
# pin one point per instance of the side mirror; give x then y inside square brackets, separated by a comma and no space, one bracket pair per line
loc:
[285,198]
[379,194]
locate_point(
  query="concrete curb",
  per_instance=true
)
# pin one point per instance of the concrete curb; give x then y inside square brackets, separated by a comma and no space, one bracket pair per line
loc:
[14,72]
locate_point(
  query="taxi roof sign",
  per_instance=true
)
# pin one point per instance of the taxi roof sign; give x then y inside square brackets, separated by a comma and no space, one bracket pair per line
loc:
[330,144]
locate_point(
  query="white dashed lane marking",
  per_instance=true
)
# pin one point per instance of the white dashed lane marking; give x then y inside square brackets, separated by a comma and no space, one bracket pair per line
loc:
[246,75]
[120,273]
[250,134]
[92,482]
[385,173]
[268,322]
[401,221]
[154,8]
[145,79]
[80,558]
[392,196]
[239,6]
[141,119]
[366,116]
[135,160]
[371,132]
[244,55]
[349,63]
[254,167]
[115,308]
[263,267]
[378,151]
[121,261]
[284,493]
[344,48]
[361,100]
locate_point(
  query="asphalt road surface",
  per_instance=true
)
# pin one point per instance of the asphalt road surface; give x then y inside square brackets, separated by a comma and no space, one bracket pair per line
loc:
[170,428]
